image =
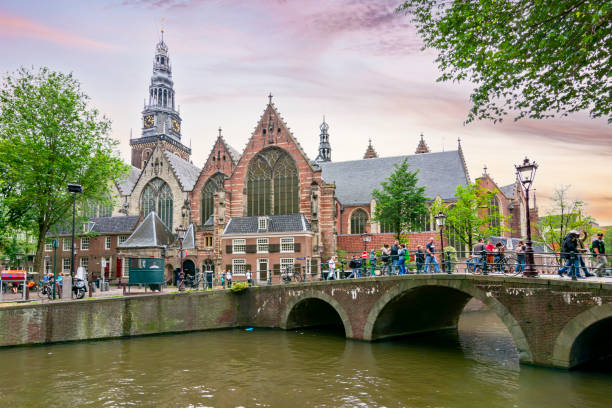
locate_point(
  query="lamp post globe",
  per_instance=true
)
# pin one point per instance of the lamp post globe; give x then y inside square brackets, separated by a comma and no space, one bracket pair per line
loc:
[525,172]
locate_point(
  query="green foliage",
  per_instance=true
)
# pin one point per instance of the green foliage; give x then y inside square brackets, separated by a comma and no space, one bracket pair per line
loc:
[400,202]
[342,255]
[534,58]
[564,215]
[451,253]
[469,216]
[239,287]
[49,137]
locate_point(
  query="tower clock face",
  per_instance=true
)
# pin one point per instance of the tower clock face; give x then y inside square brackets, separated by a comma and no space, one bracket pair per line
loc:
[149,121]
[176,126]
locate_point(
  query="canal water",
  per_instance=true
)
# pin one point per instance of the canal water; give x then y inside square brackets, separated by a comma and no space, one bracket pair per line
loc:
[476,366]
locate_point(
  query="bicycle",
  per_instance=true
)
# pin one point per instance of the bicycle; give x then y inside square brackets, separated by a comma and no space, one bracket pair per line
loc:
[45,289]
[290,273]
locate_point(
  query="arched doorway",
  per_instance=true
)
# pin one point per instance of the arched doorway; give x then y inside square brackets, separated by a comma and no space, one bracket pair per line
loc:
[189,267]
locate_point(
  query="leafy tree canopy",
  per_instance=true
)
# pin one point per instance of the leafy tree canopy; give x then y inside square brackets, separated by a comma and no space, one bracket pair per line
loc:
[49,137]
[534,58]
[400,202]
[471,217]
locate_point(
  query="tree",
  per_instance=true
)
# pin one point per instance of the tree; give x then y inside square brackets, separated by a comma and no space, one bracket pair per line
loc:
[470,216]
[538,58]
[49,137]
[564,215]
[400,202]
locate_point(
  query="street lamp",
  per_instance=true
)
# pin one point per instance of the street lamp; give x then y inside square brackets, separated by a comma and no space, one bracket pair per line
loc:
[180,231]
[74,189]
[440,221]
[525,172]
[55,246]
[366,238]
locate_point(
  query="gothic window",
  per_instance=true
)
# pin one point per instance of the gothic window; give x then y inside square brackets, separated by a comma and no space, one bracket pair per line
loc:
[214,184]
[272,184]
[157,196]
[386,228]
[359,218]
[421,223]
[494,211]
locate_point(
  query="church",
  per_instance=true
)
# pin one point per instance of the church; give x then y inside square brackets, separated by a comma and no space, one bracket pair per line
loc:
[269,206]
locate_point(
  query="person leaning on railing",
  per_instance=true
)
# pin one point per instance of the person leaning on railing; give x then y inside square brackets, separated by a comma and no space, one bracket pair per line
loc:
[520,257]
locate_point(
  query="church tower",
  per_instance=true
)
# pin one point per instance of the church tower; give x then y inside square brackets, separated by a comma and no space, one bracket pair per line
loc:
[324,146]
[161,122]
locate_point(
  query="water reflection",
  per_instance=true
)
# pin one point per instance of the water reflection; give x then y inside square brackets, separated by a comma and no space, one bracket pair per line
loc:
[474,366]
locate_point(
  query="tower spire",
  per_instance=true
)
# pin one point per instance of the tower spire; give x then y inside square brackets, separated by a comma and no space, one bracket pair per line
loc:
[324,146]
[370,152]
[422,146]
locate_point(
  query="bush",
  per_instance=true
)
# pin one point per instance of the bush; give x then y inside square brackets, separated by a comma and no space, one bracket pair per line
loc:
[239,287]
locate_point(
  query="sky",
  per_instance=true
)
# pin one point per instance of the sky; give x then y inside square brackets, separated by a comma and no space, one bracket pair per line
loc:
[355,61]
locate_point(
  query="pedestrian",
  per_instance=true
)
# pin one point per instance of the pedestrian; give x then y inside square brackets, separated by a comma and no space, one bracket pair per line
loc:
[569,253]
[430,256]
[228,278]
[249,278]
[373,262]
[477,254]
[419,258]
[394,257]
[499,256]
[520,257]
[401,260]
[354,266]
[598,250]
[490,257]
[222,281]
[385,257]
[331,264]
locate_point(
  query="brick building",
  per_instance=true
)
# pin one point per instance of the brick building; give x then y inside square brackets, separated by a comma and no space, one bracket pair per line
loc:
[271,195]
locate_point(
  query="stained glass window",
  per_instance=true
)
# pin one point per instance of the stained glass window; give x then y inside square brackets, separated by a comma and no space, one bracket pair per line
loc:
[214,184]
[358,221]
[273,184]
[157,196]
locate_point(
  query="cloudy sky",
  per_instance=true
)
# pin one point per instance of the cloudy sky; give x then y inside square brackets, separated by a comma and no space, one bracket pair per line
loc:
[354,61]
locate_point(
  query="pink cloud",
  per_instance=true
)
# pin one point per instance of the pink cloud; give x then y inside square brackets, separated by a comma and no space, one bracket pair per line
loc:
[22,27]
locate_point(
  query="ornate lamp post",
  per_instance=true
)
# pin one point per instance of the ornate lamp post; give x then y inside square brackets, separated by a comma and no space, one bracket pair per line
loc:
[526,173]
[180,231]
[55,246]
[367,237]
[440,221]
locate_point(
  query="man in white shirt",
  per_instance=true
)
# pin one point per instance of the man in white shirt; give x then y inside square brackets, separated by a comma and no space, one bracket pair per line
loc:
[332,268]
[228,279]
[249,278]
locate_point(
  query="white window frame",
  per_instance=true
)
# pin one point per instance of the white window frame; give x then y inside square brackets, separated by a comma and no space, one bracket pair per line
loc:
[48,246]
[109,262]
[236,263]
[85,264]
[48,265]
[64,269]
[239,246]
[287,241]
[267,262]
[285,261]
[67,241]
[107,242]
[262,223]
[308,266]
[84,243]
[263,245]
[121,239]
[208,238]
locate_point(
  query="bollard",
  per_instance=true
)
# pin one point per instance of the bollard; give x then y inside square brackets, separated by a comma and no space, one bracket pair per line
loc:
[90,287]
[27,291]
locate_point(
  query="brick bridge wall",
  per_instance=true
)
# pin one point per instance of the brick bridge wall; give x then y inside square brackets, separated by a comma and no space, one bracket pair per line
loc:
[553,323]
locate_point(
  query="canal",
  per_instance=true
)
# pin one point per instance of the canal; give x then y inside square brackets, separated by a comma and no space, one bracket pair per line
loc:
[476,366]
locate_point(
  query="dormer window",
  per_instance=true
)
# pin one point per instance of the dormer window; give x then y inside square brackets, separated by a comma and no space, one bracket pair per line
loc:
[262,223]
[87,226]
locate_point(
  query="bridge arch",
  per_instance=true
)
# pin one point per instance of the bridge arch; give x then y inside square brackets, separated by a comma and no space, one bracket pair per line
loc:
[313,302]
[448,298]
[584,338]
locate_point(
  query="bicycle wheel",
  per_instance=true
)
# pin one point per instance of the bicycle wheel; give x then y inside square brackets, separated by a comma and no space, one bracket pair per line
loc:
[42,291]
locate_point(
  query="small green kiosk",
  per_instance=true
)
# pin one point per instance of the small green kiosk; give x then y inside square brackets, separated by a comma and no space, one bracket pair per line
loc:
[147,272]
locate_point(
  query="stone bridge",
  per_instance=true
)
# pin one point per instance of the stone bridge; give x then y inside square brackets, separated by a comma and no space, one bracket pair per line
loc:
[553,322]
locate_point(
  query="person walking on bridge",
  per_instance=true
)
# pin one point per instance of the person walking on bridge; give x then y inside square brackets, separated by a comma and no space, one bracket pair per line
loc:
[394,257]
[598,249]
[569,252]
[430,256]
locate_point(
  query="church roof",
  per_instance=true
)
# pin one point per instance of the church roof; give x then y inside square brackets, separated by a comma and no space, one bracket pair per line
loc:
[126,186]
[189,241]
[186,173]
[101,225]
[276,223]
[440,173]
[151,233]
[508,190]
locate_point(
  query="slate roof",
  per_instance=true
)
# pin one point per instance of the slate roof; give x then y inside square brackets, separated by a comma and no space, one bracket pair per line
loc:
[151,233]
[508,190]
[440,173]
[126,186]
[189,241]
[186,173]
[209,221]
[102,225]
[276,223]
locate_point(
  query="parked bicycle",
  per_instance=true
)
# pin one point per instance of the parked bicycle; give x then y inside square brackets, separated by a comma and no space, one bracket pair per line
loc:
[290,273]
[45,289]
